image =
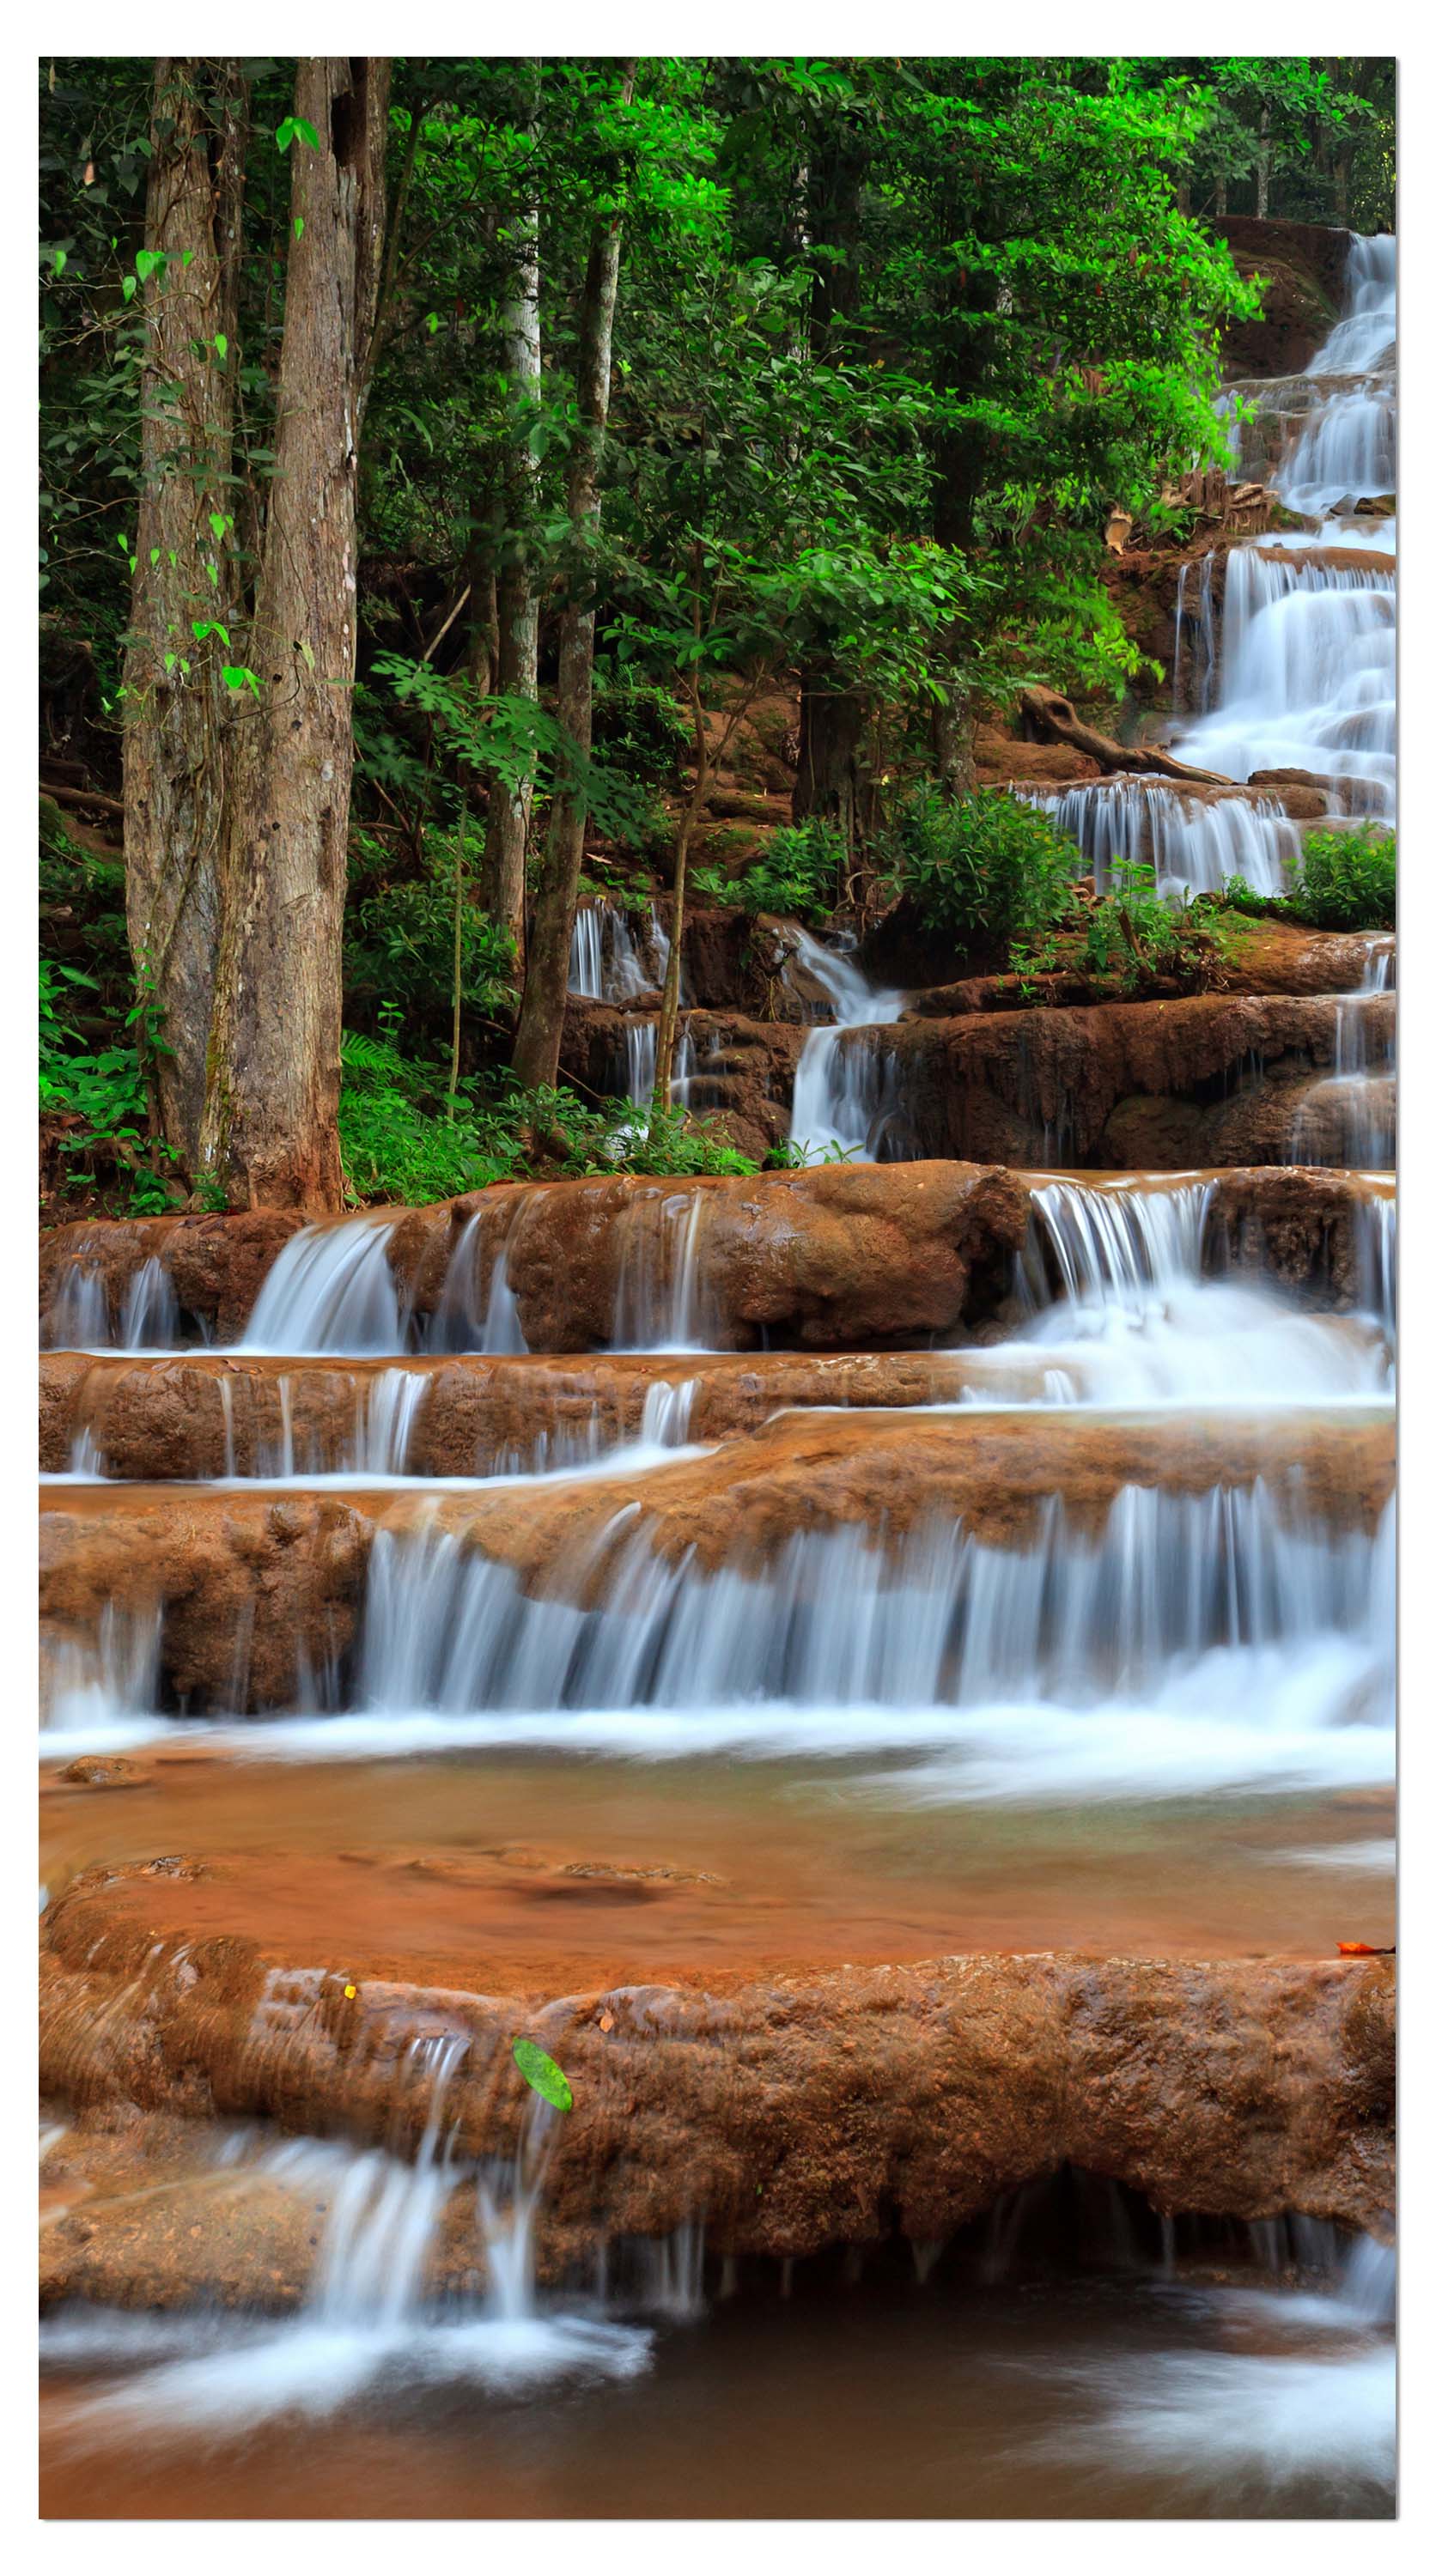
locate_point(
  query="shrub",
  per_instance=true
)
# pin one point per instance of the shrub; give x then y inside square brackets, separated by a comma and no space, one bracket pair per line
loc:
[987,866]
[399,947]
[401,1139]
[641,729]
[102,1090]
[1130,934]
[1342,881]
[800,874]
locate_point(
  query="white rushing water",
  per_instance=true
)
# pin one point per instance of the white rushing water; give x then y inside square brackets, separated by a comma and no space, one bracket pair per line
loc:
[370,2321]
[834,1113]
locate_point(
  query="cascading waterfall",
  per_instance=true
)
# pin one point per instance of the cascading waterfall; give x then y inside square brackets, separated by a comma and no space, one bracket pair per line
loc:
[331,1289]
[1194,847]
[605,961]
[840,1091]
[1074,1664]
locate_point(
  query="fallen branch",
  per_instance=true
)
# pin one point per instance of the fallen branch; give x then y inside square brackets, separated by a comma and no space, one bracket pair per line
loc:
[1055,719]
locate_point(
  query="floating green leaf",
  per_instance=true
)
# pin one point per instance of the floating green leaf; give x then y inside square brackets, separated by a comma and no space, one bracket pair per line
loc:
[221,347]
[299,228]
[284,134]
[548,2081]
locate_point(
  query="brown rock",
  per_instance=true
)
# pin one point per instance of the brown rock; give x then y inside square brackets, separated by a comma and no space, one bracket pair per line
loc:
[858,2099]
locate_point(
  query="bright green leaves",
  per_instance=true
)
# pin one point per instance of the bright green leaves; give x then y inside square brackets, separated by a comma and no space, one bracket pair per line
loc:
[221,347]
[237,675]
[539,2071]
[296,128]
[202,626]
[147,262]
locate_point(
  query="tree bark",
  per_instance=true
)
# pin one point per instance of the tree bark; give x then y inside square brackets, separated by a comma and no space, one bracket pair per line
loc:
[506,839]
[1263,164]
[830,726]
[269,1134]
[831,719]
[540,1029]
[176,717]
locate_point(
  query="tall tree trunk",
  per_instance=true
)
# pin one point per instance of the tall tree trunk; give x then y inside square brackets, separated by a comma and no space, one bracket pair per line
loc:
[175,703]
[540,1030]
[506,839]
[1263,164]
[269,1135]
[830,725]
[831,719]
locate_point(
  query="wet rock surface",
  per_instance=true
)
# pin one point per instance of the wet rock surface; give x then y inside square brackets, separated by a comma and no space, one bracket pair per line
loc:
[1190,1084]
[260,1594]
[796,2110]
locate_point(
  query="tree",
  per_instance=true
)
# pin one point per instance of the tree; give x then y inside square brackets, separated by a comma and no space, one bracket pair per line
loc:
[175,702]
[269,1135]
[540,1029]
[506,840]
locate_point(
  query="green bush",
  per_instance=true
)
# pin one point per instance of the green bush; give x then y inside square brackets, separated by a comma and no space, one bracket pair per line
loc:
[639,728]
[103,1090]
[399,946]
[1130,935]
[983,867]
[799,875]
[401,1140]
[1342,881]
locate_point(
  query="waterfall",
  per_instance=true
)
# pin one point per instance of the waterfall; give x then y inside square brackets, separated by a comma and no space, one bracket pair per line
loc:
[604,960]
[477,1308]
[1348,449]
[660,1303]
[840,1093]
[1139,1652]
[330,1290]
[78,1315]
[1193,846]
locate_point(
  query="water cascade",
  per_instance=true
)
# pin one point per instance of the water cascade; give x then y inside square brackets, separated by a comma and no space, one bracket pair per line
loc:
[1035,1606]
[838,1103]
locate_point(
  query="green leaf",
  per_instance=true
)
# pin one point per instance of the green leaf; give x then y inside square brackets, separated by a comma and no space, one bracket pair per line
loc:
[236,675]
[202,626]
[147,261]
[59,263]
[537,2069]
[284,134]
[127,288]
[299,228]
[218,523]
[154,557]
[221,346]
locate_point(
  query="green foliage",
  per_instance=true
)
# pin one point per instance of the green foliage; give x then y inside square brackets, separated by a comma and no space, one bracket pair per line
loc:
[1342,881]
[983,867]
[103,1092]
[1129,935]
[640,728]
[402,1139]
[399,945]
[799,874]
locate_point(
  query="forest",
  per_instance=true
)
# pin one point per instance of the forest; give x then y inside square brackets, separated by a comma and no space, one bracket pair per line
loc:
[700,458]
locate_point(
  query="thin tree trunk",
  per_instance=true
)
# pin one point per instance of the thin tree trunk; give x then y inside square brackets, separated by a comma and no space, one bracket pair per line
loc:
[506,839]
[540,1029]
[673,971]
[176,716]
[269,1135]
[1263,164]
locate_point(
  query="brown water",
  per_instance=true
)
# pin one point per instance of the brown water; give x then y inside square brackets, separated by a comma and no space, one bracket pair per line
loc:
[1047,2395]
[783,1861]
